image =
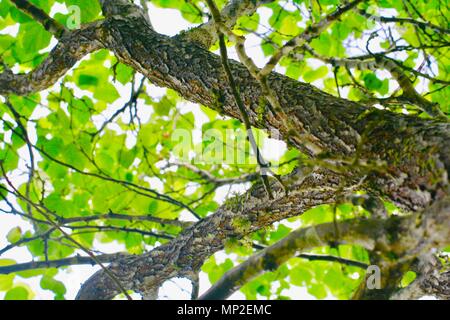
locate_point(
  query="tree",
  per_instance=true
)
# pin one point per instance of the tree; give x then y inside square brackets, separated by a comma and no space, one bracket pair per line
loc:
[365,175]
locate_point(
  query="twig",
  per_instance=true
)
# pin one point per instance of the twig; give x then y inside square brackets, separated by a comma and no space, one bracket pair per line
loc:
[223,52]
[50,24]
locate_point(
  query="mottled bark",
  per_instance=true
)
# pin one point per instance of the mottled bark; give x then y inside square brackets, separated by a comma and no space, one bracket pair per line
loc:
[432,278]
[415,152]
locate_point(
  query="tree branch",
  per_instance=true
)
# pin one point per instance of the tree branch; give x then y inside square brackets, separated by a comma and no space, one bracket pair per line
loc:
[329,258]
[206,175]
[319,120]
[432,278]
[51,25]
[126,217]
[72,46]
[310,33]
[205,35]
[263,165]
[76,260]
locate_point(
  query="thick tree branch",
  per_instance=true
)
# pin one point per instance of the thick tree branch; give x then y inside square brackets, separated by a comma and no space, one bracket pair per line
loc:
[432,278]
[334,125]
[374,234]
[359,137]
[76,260]
[71,47]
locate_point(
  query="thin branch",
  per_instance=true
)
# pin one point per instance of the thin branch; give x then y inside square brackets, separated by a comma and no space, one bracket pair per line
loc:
[322,257]
[26,240]
[310,33]
[76,260]
[120,216]
[155,194]
[395,68]
[50,24]
[72,47]
[330,258]
[132,101]
[122,229]
[206,175]
[25,137]
[205,35]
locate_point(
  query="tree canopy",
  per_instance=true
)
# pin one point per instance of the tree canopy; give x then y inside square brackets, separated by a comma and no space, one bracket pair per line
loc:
[271,146]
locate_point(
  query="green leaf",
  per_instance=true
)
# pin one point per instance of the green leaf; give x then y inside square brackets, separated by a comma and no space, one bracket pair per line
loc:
[372,82]
[89,9]
[33,37]
[14,234]
[18,293]
[87,80]
[49,283]
[281,232]
[408,277]
[124,73]
[6,281]
[300,276]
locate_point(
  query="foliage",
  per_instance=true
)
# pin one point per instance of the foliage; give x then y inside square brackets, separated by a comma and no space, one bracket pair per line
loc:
[101,140]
